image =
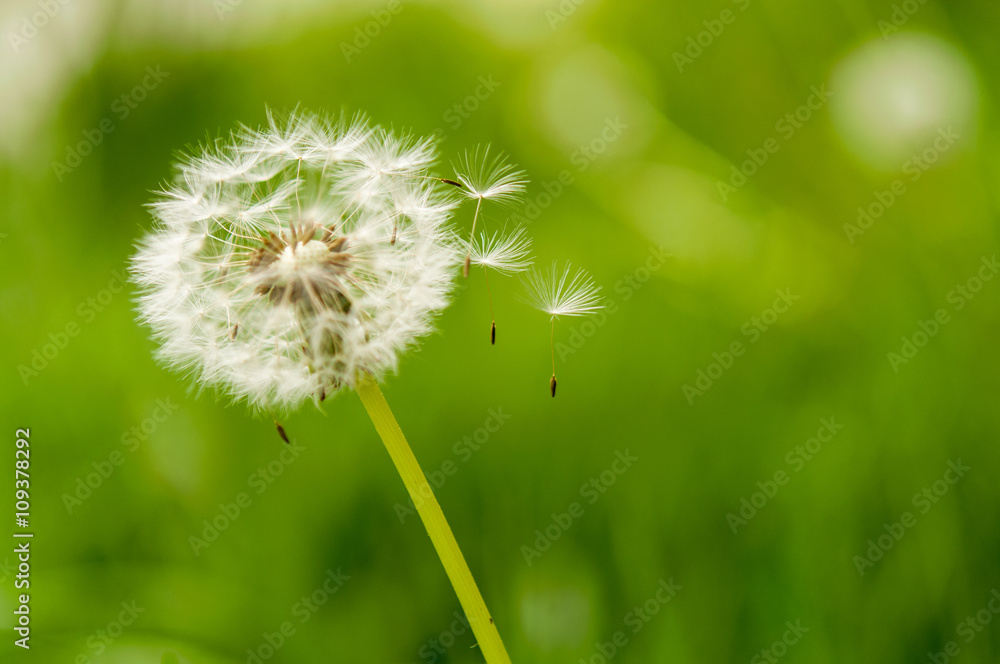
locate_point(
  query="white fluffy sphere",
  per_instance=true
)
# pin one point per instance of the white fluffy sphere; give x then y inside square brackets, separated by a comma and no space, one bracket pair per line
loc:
[288,259]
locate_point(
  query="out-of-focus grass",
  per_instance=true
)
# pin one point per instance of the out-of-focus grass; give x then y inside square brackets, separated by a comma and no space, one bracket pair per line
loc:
[651,186]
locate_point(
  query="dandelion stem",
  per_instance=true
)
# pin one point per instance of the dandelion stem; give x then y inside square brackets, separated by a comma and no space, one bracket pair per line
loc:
[472,236]
[430,513]
[552,347]
[489,296]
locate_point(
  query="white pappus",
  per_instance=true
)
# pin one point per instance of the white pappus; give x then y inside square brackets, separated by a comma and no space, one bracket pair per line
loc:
[287,259]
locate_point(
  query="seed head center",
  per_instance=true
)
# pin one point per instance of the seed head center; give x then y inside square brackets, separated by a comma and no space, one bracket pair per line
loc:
[303,255]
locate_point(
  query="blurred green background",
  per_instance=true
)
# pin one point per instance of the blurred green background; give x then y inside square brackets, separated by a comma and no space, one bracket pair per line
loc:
[738,140]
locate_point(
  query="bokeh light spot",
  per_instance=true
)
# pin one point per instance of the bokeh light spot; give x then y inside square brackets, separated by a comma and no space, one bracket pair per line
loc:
[892,96]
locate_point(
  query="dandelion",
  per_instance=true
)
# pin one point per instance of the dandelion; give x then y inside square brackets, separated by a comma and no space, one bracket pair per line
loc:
[485,178]
[565,293]
[289,261]
[293,261]
[507,254]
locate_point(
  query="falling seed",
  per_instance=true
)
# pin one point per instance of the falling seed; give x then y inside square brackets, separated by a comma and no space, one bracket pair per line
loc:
[552,385]
[281,431]
[453,183]
[493,333]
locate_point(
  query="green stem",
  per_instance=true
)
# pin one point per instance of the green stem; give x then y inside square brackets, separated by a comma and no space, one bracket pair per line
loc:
[434,521]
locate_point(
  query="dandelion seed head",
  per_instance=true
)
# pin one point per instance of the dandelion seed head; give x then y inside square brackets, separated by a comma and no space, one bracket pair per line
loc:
[562,292]
[507,254]
[287,259]
[489,177]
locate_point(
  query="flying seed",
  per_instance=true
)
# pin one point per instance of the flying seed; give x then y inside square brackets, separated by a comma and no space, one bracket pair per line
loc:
[493,333]
[552,385]
[281,431]
[453,183]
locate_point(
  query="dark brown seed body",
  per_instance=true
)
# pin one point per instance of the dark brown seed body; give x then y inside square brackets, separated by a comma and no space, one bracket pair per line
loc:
[281,431]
